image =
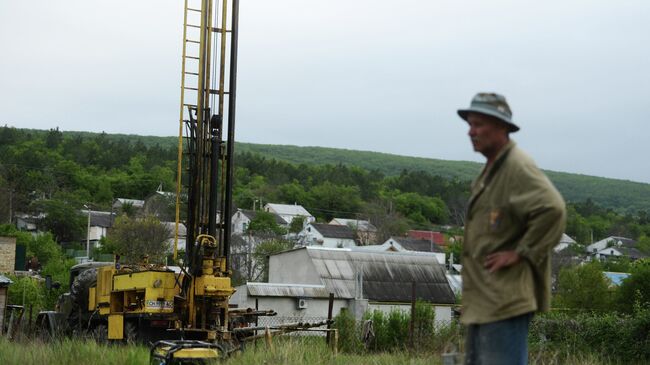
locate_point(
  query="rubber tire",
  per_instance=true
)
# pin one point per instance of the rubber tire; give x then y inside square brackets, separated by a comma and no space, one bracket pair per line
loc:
[79,297]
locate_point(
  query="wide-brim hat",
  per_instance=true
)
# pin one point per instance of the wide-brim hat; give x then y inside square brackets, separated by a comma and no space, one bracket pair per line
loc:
[491,104]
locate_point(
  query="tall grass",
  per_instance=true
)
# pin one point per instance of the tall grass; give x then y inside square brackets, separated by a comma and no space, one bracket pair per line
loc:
[284,350]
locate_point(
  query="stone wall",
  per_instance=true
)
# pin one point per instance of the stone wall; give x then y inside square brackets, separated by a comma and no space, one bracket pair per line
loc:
[7,254]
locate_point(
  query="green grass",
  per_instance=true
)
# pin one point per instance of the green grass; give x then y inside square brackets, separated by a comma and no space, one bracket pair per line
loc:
[287,351]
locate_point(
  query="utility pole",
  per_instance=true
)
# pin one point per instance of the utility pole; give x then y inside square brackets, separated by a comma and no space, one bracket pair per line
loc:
[88,233]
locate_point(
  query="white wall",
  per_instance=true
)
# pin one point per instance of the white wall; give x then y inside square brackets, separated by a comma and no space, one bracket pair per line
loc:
[293,267]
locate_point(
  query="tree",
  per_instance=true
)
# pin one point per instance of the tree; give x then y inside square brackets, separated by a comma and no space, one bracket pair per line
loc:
[634,292]
[583,288]
[264,224]
[62,219]
[135,238]
[297,224]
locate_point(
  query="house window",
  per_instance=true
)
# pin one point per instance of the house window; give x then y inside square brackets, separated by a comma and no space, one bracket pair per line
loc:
[244,226]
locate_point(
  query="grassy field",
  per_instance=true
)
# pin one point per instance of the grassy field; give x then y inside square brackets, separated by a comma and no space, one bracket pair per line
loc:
[285,351]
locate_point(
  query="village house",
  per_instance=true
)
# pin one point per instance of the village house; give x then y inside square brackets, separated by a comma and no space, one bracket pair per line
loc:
[301,280]
[327,235]
[609,241]
[366,232]
[288,212]
[435,237]
[243,217]
[402,244]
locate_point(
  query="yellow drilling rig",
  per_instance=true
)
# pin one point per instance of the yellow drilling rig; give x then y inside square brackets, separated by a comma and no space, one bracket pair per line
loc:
[183,310]
[152,302]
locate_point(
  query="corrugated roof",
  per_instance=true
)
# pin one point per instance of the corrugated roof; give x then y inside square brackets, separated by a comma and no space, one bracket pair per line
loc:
[358,224]
[100,219]
[287,290]
[387,276]
[5,281]
[288,209]
[334,230]
[413,244]
[251,214]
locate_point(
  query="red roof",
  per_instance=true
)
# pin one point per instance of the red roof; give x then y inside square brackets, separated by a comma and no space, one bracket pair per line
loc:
[436,237]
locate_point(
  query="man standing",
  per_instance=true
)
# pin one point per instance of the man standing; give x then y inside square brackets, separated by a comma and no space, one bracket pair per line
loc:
[515,216]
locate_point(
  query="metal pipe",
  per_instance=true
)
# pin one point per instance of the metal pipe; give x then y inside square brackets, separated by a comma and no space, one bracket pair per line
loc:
[231,131]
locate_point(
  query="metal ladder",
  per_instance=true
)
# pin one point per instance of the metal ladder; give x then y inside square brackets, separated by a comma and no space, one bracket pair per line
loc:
[205,24]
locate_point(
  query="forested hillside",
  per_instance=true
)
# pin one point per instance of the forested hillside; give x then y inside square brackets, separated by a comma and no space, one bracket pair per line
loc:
[58,172]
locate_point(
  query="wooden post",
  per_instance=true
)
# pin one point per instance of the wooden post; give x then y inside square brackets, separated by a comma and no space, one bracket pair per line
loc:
[335,343]
[412,324]
[330,309]
[268,338]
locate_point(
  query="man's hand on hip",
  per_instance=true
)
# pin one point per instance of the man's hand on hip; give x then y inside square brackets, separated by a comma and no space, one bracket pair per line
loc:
[498,260]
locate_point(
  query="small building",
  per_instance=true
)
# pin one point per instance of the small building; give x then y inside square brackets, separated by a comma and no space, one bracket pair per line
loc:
[8,255]
[327,235]
[435,237]
[631,253]
[100,223]
[288,212]
[365,231]
[300,281]
[243,217]
[4,287]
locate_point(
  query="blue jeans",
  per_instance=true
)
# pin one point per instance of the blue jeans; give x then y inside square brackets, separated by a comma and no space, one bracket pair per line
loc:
[503,342]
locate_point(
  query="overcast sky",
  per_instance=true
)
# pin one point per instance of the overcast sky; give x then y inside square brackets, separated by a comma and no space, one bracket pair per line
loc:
[372,75]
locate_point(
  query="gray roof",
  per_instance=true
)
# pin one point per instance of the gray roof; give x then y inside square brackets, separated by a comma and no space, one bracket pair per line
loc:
[4,281]
[288,209]
[413,244]
[358,224]
[387,276]
[100,219]
[287,290]
[251,214]
[334,230]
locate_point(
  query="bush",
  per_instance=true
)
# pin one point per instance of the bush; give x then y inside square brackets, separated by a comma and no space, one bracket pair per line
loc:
[391,331]
[622,337]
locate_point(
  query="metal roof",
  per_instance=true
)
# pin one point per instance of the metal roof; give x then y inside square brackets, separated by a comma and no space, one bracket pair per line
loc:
[287,209]
[357,224]
[287,290]
[251,214]
[387,276]
[413,244]
[334,230]
[5,281]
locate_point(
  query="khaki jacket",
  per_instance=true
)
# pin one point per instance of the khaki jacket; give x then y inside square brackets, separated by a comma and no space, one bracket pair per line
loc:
[513,206]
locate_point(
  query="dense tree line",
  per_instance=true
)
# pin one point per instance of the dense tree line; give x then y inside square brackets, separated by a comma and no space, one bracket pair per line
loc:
[57,173]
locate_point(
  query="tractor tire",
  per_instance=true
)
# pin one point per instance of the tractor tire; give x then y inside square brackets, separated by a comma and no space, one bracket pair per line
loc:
[131,333]
[79,292]
[100,334]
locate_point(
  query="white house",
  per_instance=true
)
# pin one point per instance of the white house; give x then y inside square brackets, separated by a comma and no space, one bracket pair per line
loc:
[300,281]
[243,217]
[288,212]
[366,232]
[182,234]
[100,222]
[609,241]
[565,242]
[327,235]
